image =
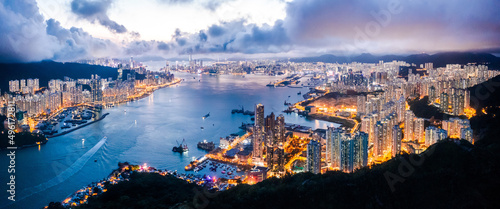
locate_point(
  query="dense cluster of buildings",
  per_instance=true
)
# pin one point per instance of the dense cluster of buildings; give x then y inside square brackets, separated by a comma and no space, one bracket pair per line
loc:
[269,137]
[33,101]
[390,124]
[387,126]
[346,151]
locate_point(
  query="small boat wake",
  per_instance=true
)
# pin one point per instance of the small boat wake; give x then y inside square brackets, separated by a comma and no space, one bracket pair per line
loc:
[63,176]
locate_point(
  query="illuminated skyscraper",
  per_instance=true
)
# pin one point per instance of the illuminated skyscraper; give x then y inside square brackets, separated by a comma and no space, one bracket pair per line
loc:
[381,137]
[361,148]
[280,130]
[14,86]
[419,130]
[96,86]
[409,127]
[466,133]
[274,135]
[444,101]
[258,135]
[333,141]
[361,101]
[313,157]
[433,135]
[397,135]
[432,94]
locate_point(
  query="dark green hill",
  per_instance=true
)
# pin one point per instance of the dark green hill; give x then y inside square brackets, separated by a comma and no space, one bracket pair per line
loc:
[144,190]
[47,70]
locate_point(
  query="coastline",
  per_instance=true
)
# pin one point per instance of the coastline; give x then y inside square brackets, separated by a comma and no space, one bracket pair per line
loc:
[348,123]
[80,126]
[104,115]
[146,94]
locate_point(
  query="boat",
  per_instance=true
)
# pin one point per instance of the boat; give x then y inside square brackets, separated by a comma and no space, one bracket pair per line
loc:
[190,167]
[204,145]
[223,172]
[299,93]
[206,116]
[202,128]
[182,147]
[271,84]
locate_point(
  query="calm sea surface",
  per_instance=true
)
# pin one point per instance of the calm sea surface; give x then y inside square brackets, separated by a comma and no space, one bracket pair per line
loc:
[144,131]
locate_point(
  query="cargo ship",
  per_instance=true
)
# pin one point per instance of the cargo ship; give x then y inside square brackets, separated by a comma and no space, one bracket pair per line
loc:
[208,146]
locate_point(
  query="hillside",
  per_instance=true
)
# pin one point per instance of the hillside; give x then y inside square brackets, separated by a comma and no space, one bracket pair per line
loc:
[47,70]
[448,175]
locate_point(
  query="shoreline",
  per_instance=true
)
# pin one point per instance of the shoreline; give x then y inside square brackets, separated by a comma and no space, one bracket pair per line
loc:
[104,115]
[146,94]
[348,123]
[81,126]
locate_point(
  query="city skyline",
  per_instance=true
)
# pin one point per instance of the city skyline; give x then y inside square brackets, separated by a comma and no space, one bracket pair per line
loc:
[70,30]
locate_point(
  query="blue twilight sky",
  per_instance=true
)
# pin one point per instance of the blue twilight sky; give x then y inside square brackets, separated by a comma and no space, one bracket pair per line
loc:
[67,30]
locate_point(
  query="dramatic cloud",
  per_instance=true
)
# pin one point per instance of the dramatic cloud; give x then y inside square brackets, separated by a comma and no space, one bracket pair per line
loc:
[94,10]
[393,25]
[77,43]
[22,33]
[231,37]
[311,27]
[25,36]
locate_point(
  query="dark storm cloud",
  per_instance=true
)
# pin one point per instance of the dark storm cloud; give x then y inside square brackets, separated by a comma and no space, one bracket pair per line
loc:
[94,10]
[76,43]
[234,36]
[22,33]
[215,30]
[203,36]
[163,46]
[139,47]
[25,36]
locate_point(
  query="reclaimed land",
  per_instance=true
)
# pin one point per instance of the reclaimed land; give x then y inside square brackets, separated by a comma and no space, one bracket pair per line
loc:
[80,126]
[348,123]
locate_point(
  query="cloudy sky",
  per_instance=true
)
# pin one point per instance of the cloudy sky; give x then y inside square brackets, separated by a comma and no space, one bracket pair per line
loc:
[68,30]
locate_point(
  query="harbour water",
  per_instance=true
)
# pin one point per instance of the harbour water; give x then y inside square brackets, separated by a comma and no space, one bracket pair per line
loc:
[144,131]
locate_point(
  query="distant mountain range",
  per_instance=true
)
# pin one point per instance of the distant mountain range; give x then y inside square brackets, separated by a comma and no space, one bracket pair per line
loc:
[159,58]
[439,59]
[47,70]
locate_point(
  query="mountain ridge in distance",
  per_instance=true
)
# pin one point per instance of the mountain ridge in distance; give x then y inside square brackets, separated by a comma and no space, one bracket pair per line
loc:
[438,59]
